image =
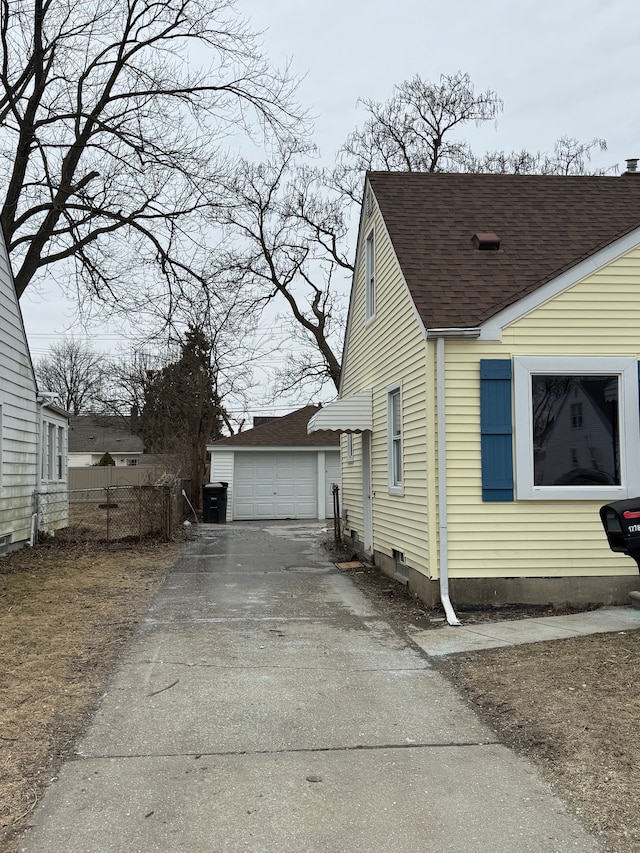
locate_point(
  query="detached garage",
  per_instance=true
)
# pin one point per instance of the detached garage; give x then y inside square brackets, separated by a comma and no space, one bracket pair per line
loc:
[277,470]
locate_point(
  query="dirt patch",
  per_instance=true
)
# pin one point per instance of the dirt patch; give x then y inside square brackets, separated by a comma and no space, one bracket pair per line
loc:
[65,614]
[571,706]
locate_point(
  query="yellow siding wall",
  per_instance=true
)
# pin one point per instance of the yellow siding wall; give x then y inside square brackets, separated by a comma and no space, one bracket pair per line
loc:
[389,349]
[598,316]
[350,500]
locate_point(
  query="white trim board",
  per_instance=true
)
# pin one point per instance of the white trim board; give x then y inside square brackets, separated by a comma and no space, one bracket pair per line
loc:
[491,330]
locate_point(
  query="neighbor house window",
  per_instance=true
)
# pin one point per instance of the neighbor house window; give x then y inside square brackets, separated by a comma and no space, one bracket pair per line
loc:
[576,415]
[370,294]
[131,462]
[576,428]
[60,454]
[53,452]
[394,415]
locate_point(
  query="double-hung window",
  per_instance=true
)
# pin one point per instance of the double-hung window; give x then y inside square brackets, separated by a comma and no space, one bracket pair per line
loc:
[576,428]
[394,421]
[370,293]
[53,452]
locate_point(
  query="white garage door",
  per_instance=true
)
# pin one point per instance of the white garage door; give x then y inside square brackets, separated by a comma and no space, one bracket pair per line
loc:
[275,485]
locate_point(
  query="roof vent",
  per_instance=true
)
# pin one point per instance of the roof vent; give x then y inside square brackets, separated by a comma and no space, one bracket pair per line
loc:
[486,241]
[632,166]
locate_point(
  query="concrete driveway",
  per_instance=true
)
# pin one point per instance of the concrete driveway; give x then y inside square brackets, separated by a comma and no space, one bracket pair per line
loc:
[268,706]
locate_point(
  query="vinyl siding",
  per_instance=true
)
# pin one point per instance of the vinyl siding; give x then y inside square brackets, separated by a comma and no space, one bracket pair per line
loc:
[221,471]
[53,500]
[19,417]
[389,349]
[599,316]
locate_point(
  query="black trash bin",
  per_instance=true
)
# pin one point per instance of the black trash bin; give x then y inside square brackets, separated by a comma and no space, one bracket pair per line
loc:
[621,522]
[214,503]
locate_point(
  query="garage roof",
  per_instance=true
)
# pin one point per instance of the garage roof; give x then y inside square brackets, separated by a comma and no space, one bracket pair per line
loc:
[287,431]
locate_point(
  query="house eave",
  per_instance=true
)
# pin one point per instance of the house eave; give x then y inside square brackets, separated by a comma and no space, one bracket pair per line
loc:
[47,403]
[462,333]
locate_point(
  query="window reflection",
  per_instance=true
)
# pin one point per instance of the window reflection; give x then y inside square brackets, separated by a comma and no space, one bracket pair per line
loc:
[575,430]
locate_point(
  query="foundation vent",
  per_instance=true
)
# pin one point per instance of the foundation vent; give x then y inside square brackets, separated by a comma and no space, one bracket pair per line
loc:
[402,569]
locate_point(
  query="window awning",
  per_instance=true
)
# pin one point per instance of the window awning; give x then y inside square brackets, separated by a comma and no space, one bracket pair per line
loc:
[350,414]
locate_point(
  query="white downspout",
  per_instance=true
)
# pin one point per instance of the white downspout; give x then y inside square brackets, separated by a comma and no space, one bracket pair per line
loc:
[452,619]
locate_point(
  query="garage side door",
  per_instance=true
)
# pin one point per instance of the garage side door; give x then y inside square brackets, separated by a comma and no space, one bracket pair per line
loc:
[275,485]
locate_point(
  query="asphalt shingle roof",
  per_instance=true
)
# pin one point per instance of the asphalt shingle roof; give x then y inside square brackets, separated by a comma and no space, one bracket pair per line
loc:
[102,434]
[546,224]
[287,431]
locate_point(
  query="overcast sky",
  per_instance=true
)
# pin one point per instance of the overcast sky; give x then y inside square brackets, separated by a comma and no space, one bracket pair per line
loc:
[568,67]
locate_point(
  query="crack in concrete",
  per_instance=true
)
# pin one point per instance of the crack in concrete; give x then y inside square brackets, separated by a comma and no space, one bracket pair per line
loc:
[269,666]
[297,751]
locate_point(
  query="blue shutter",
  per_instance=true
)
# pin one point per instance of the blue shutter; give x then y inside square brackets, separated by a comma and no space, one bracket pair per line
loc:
[496,430]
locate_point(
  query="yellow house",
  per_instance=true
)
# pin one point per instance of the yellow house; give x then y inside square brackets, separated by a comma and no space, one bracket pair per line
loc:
[489,399]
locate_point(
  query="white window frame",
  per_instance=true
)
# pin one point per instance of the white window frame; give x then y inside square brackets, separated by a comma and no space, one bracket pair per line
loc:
[629,425]
[54,452]
[370,279]
[396,478]
[60,454]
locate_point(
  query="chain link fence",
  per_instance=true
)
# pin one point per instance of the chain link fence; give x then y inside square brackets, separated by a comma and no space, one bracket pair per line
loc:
[113,515]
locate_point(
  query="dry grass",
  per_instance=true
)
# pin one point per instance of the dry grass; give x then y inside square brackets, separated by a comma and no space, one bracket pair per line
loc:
[65,614]
[572,706]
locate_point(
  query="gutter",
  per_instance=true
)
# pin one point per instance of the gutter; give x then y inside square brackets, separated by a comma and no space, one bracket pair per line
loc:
[440,335]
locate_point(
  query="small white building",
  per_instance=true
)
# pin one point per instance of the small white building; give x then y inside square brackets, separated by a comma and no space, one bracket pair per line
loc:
[277,471]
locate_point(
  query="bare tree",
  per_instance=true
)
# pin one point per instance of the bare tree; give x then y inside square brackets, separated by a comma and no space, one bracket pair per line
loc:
[288,221]
[74,372]
[415,130]
[286,248]
[569,157]
[235,348]
[112,117]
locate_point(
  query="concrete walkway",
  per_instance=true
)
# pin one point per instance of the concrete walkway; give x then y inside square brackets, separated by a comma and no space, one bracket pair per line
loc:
[491,635]
[268,707]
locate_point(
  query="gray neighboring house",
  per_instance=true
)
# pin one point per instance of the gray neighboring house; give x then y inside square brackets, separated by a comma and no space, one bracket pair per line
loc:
[33,434]
[91,436]
[277,470]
